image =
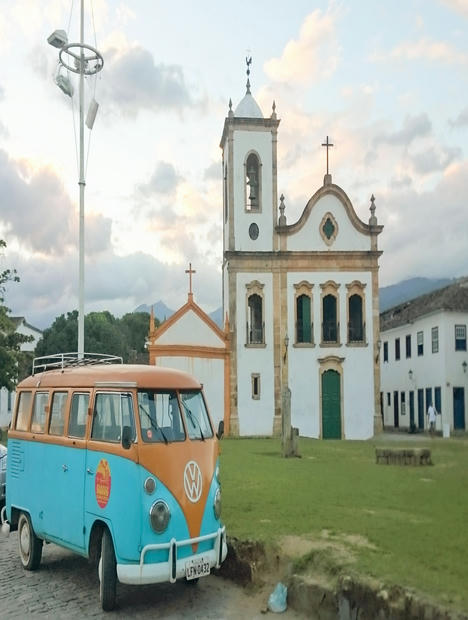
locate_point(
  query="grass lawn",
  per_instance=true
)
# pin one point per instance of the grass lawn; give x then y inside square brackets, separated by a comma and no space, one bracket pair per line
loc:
[412,522]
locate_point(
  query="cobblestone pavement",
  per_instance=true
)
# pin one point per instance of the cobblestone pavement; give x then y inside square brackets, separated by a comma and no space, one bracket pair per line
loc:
[67,586]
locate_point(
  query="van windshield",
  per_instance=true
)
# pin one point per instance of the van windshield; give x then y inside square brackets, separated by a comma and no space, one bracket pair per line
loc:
[196,416]
[160,418]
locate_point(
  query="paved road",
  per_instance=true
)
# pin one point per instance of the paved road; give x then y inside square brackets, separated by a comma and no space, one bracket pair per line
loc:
[66,586]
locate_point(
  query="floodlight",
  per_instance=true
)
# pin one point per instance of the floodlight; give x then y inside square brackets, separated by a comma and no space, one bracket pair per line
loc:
[92,111]
[64,84]
[58,38]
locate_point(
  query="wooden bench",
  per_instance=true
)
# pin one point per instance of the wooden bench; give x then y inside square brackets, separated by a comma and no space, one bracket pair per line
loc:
[403,456]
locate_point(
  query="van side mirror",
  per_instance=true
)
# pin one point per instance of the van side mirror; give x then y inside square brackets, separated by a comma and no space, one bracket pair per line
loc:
[220,432]
[126,437]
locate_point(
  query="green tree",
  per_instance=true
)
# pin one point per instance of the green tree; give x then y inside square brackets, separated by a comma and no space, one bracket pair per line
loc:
[103,333]
[11,357]
[135,327]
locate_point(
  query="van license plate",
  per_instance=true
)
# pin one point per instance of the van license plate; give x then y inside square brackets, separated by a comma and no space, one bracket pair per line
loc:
[197,568]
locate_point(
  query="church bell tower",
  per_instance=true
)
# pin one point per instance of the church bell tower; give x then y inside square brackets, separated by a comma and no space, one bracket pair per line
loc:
[250,199]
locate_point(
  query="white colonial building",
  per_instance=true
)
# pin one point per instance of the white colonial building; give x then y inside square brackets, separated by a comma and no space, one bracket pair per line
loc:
[7,399]
[424,360]
[301,299]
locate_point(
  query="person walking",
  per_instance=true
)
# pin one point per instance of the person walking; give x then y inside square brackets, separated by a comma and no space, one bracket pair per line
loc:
[431,415]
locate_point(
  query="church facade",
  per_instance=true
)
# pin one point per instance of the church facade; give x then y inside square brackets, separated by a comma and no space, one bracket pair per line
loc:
[301,299]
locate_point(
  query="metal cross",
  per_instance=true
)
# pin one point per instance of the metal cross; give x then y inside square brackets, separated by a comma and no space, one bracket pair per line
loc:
[328,145]
[190,271]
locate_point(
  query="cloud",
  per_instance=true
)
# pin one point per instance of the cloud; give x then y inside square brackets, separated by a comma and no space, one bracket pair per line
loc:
[164,181]
[434,159]
[115,283]
[36,210]
[441,249]
[413,127]
[315,54]
[459,6]
[214,172]
[461,120]
[133,82]
[425,49]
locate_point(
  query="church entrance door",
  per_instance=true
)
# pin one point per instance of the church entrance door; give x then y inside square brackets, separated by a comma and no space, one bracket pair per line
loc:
[331,405]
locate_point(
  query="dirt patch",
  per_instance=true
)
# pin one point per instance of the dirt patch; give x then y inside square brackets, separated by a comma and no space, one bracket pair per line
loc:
[318,572]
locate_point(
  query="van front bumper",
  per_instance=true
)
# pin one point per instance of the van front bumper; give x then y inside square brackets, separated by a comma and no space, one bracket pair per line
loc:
[174,568]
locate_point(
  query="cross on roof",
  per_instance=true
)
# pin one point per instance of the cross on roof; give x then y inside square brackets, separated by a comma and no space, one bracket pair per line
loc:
[190,271]
[328,145]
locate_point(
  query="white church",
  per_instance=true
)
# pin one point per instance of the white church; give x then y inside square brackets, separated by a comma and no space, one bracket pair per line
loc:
[300,301]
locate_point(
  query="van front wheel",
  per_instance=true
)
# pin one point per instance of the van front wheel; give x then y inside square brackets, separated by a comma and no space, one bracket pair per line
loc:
[107,572]
[30,546]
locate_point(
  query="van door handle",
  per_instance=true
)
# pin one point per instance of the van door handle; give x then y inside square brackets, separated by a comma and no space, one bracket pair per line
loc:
[65,467]
[90,471]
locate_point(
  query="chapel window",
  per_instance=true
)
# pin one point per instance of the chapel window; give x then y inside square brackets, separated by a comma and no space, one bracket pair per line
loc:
[252,183]
[303,319]
[355,324]
[330,323]
[255,324]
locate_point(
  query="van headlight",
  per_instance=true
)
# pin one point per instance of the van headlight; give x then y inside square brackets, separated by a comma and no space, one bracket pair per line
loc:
[217,503]
[159,516]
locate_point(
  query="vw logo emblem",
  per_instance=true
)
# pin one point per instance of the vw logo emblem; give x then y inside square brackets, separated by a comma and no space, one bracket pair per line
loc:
[193,481]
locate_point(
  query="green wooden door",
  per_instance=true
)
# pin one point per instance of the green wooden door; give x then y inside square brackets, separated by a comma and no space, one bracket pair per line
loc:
[331,405]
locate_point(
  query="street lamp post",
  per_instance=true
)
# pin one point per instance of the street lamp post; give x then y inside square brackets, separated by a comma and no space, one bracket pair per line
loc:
[81,59]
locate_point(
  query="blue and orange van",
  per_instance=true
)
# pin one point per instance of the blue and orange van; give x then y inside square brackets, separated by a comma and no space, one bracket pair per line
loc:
[118,463]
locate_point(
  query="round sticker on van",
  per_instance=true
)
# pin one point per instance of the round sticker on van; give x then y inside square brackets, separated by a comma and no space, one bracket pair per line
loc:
[102,483]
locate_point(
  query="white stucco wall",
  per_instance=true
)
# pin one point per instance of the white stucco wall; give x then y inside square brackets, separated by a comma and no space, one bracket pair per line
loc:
[304,367]
[209,372]
[309,237]
[190,330]
[255,416]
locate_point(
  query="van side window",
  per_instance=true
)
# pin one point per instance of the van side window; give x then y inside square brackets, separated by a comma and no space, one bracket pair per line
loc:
[57,416]
[112,411]
[24,407]
[41,400]
[78,411]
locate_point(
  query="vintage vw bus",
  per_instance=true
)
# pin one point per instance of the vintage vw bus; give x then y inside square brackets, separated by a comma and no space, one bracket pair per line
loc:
[118,463]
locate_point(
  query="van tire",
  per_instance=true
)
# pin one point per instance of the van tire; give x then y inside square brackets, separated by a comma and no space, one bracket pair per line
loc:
[29,545]
[108,572]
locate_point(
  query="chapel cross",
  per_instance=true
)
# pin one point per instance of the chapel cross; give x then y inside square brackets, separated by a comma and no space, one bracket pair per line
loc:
[190,271]
[328,145]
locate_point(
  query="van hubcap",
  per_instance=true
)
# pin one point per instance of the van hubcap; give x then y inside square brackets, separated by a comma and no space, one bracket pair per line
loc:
[24,541]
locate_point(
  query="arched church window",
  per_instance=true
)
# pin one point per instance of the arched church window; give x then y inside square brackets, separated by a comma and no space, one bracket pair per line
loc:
[330,323]
[252,183]
[355,323]
[356,313]
[255,325]
[303,319]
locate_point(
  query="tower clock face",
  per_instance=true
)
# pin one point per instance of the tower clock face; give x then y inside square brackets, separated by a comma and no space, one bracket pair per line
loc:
[253,231]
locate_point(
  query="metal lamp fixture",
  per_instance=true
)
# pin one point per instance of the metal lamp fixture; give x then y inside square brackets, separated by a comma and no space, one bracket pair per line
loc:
[81,59]
[464,365]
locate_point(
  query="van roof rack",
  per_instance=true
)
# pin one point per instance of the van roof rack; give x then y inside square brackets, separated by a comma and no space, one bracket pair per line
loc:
[67,360]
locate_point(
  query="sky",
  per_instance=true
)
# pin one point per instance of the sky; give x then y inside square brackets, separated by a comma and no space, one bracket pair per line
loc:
[387,81]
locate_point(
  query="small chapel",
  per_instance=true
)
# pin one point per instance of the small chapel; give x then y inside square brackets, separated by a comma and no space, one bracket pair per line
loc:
[300,299]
